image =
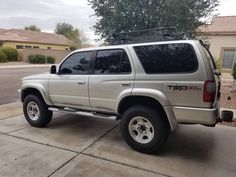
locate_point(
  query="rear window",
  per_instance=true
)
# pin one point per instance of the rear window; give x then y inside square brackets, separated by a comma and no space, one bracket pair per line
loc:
[167,58]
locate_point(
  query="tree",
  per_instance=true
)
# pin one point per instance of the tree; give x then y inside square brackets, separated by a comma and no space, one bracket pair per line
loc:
[74,34]
[115,16]
[32,28]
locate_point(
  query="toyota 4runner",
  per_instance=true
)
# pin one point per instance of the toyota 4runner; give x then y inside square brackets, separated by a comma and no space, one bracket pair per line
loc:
[150,87]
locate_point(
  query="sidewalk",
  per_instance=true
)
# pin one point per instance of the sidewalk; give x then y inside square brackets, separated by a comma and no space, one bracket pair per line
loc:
[12,65]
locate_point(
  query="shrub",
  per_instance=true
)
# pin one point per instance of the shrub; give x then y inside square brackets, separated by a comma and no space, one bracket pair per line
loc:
[3,57]
[32,59]
[12,54]
[218,63]
[234,71]
[40,58]
[51,59]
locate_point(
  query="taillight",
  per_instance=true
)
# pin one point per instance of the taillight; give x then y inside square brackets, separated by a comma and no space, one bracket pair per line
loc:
[209,91]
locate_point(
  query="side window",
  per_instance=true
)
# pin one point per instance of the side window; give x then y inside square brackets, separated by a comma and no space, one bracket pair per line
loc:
[167,58]
[112,62]
[77,63]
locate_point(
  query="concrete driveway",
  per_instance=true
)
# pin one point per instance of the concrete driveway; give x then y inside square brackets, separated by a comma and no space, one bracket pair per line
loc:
[79,146]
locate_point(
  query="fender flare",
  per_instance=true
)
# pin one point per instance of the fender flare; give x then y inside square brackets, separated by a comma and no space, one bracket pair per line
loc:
[155,94]
[39,88]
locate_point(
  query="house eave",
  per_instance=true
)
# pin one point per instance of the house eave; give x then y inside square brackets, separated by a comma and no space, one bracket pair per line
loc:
[35,42]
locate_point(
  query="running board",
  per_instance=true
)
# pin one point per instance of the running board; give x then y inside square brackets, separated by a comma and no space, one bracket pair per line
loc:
[82,113]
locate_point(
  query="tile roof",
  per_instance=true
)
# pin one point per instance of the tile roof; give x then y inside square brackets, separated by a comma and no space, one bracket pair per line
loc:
[19,35]
[221,24]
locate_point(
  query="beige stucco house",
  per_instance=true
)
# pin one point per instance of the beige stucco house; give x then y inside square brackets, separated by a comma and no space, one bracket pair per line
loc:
[221,37]
[33,42]
[20,39]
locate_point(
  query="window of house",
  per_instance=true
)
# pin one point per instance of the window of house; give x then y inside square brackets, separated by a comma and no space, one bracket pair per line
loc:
[66,49]
[19,46]
[112,62]
[28,46]
[36,47]
[229,58]
[49,48]
[167,58]
[77,63]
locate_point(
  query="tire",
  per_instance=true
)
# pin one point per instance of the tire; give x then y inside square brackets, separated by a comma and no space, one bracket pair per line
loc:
[140,119]
[36,111]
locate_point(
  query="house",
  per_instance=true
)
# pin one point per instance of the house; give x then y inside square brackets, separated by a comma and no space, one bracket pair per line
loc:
[21,39]
[221,37]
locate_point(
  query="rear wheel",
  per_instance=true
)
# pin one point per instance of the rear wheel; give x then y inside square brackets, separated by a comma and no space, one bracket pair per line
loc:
[144,129]
[36,111]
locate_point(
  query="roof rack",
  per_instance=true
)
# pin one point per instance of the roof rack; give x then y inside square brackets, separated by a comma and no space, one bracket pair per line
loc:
[149,35]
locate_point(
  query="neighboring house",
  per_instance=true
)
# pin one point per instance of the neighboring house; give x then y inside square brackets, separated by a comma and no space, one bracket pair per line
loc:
[20,39]
[221,37]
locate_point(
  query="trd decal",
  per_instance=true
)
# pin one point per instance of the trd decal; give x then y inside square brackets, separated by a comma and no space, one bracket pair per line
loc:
[183,88]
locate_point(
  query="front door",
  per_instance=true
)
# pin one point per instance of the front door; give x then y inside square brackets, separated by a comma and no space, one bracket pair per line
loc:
[70,86]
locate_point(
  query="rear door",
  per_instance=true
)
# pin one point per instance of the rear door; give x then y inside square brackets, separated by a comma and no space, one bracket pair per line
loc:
[214,73]
[112,75]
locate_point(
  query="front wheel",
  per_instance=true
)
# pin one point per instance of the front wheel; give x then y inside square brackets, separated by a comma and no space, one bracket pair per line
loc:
[144,129]
[36,111]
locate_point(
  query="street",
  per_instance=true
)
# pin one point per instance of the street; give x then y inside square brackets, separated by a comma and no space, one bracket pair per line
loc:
[10,81]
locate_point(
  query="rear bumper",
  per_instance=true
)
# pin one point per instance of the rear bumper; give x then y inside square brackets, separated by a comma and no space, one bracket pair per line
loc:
[196,115]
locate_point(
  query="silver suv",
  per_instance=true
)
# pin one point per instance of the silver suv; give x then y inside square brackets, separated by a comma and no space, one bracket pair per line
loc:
[150,87]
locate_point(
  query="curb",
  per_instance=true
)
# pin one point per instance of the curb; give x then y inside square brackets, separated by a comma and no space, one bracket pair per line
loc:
[24,66]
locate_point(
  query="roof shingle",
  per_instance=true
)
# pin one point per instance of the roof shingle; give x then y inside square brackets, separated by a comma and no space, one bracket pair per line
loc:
[18,35]
[221,24]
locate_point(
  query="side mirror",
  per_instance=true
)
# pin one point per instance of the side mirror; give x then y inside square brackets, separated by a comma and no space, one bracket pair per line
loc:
[53,69]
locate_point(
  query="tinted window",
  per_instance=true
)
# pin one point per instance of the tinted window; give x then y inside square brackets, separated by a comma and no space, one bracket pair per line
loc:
[167,58]
[112,62]
[77,63]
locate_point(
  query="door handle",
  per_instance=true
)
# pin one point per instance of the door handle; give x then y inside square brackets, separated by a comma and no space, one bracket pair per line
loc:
[126,84]
[81,83]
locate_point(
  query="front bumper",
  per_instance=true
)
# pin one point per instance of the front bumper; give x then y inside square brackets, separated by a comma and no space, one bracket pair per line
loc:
[191,115]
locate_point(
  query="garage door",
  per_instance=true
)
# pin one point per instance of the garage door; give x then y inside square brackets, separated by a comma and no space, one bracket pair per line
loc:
[229,58]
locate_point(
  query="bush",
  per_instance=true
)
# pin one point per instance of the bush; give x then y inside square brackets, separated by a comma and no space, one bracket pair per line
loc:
[51,59]
[12,54]
[40,58]
[3,57]
[234,71]
[37,59]
[32,59]
[218,63]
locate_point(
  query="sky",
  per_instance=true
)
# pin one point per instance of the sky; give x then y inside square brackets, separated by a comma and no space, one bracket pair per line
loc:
[46,13]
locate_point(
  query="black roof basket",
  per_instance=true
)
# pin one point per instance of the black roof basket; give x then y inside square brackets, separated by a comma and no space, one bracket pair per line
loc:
[149,35]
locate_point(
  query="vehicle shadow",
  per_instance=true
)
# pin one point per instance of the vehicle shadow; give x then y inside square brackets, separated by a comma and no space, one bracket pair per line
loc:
[190,142]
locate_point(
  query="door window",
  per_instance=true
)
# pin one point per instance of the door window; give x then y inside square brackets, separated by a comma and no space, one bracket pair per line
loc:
[112,62]
[77,63]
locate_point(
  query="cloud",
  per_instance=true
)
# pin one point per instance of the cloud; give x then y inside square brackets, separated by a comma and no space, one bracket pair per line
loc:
[227,7]
[46,13]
